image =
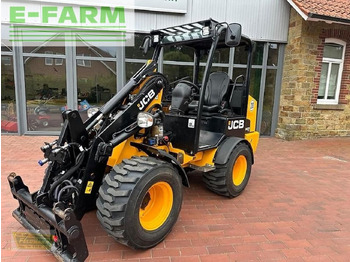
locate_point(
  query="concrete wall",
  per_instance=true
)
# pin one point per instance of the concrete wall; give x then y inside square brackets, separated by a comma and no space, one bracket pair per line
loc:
[300,116]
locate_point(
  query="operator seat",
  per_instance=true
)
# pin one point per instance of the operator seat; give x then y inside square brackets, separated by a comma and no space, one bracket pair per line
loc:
[215,93]
[217,86]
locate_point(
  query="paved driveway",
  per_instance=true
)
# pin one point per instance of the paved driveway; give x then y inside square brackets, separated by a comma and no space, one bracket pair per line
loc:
[296,207]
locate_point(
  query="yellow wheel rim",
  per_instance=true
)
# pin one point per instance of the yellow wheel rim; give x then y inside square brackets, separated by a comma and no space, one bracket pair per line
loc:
[239,170]
[156,206]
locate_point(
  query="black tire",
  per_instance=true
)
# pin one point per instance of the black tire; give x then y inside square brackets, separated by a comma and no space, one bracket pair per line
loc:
[221,180]
[127,190]
[45,123]
[33,125]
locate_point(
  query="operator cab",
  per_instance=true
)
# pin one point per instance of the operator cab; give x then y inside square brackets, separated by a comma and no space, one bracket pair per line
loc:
[211,106]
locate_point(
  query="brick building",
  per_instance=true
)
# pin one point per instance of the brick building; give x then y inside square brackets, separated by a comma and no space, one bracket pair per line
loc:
[315,92]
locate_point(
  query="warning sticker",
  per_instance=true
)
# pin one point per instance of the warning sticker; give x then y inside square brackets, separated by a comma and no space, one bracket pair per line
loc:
[89,186]
[191,123]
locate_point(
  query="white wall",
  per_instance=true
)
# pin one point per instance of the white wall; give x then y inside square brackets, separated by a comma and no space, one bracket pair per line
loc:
[262,20]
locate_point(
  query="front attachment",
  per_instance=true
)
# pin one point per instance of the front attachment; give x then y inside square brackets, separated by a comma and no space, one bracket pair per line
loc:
[57,228]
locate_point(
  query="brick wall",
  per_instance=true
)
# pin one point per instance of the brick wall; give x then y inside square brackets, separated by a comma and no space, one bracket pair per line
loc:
[300,117]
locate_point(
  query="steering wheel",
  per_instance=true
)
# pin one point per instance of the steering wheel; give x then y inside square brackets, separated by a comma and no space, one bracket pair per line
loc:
[191,84]
[178,80]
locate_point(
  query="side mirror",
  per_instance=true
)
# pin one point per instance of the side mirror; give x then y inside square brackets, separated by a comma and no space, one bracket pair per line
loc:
[146,44]
[233,35]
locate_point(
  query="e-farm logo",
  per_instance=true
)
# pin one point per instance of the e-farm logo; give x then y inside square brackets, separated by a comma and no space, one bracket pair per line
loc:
[68,23]
[68,15]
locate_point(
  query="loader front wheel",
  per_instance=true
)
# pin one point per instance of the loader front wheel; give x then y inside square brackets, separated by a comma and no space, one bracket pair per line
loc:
[231,178]
[139,201]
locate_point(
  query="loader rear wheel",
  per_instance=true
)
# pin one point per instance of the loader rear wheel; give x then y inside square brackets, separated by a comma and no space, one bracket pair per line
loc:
[139,201]
[231,178]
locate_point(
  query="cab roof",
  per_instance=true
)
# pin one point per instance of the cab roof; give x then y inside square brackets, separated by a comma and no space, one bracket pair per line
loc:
[192,35]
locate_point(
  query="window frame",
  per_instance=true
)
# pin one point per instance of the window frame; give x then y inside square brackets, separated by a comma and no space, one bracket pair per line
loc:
[330,62]
[58,61]
[49,60]
[81,61]
[7,61]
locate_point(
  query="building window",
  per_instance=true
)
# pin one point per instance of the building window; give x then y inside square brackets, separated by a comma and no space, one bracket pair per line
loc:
[8,95]
[49,60]
[58,61]
[83,62]
[6,60]
[331,71]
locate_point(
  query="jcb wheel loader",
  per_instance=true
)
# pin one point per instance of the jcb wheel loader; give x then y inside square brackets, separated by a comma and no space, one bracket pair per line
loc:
[131,157]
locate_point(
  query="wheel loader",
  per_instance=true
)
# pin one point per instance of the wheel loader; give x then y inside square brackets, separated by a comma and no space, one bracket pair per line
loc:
[131,157]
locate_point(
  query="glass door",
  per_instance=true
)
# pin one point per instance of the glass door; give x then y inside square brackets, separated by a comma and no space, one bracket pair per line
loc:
[45,86]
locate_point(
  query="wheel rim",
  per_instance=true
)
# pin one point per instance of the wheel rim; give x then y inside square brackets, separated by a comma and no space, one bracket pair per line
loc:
[156,206]
[239,170]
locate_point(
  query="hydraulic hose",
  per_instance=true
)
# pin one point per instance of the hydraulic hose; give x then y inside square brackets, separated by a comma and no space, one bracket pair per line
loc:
[57,188]
[65,188]
[80,159]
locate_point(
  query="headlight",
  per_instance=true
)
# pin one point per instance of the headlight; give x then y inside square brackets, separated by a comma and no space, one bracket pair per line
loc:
[145,120]
[206,30]
[91,111]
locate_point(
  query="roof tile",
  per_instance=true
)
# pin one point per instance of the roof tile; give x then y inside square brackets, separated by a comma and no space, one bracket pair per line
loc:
[332,8]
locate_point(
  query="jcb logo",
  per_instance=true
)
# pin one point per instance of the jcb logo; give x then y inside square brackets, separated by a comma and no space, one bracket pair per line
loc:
[146,99]
[236,124]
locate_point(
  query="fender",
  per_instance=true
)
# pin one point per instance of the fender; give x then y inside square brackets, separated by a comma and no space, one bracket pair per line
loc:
[154,152]
[227,146]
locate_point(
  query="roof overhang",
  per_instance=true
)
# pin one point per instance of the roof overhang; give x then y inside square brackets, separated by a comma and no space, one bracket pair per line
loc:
[317,17]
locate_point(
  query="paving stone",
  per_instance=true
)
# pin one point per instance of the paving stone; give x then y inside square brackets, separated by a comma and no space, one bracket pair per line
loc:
[295,208]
